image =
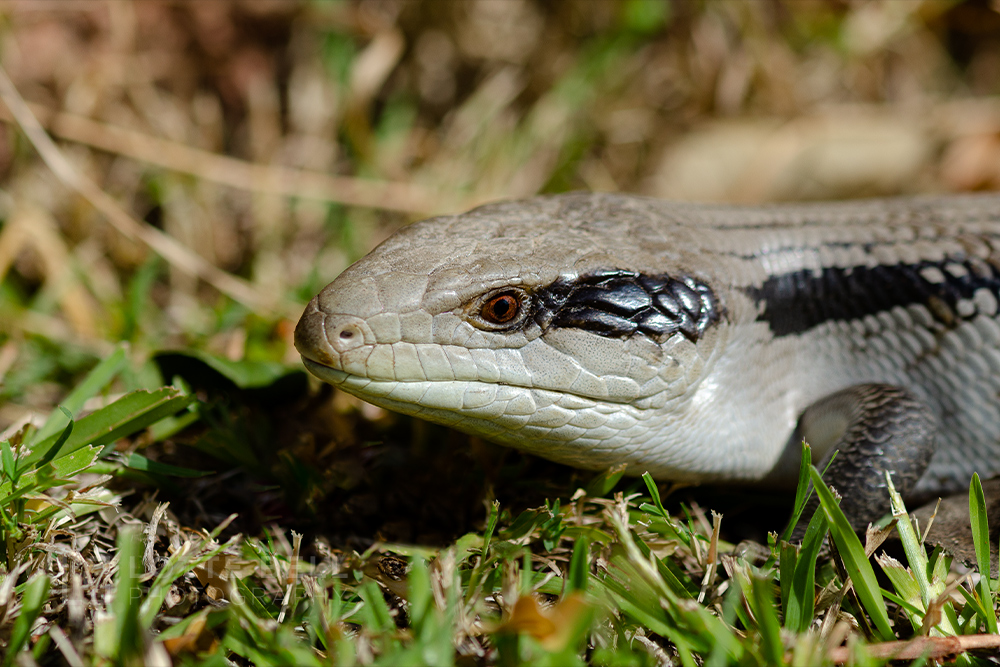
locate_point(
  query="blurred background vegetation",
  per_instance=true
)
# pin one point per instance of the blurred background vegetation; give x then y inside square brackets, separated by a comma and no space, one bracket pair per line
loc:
[249,150]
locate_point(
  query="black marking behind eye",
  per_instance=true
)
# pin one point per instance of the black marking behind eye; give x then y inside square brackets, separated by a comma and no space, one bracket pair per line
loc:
[622,303]
[596,320]
[798,301]
[625,298]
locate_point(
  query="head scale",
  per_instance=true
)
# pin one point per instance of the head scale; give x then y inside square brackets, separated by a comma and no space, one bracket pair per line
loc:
[555,324]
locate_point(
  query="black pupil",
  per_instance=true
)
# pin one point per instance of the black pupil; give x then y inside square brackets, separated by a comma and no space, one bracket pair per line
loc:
[503,308]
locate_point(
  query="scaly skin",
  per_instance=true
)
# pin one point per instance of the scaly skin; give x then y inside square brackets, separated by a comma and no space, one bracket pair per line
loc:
[403,328]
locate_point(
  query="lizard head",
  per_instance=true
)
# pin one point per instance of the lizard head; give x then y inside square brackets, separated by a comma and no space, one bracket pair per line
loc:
[556,325]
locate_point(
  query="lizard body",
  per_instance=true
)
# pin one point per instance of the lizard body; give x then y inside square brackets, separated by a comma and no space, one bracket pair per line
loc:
[687,340]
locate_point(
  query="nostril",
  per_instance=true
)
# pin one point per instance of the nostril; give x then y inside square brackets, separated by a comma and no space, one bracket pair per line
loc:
[347,336]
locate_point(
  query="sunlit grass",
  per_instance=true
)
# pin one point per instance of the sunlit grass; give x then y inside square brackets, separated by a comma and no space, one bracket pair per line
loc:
[590,580]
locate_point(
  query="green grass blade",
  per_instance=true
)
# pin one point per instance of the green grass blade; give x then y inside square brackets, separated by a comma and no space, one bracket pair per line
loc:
[974,602]
[129,414]
[859,569]
[981,540]
[375,613]
[678,581]
[602,484]
[139,301]
[248,602]
[60,441]
[99,377]
[475,577]
[916,555]
[35,595]
[418,593]
[654,493]
[906,586]
[724,652]
[63,467]
[801,491]
[245,374]
[767,620]
[128,594]
[802,596]
[491,526]
[911,609]
[139,462]
[786,572]
[183,561]
[579,567]
[7,458]
[170,426]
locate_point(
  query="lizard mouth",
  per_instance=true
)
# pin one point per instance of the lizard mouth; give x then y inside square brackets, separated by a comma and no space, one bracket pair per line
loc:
[420,397]
[547,422]
[324,372]
[466,396]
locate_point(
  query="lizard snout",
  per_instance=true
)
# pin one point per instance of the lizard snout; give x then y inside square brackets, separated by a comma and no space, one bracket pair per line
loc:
[323,337]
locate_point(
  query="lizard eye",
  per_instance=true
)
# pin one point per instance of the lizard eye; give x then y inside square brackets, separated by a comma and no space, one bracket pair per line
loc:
[504,309]
[501,308]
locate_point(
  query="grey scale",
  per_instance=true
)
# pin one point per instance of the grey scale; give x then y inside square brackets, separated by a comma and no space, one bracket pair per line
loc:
[683,339]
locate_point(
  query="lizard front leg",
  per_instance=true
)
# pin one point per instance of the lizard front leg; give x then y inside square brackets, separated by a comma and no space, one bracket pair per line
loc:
[877,428]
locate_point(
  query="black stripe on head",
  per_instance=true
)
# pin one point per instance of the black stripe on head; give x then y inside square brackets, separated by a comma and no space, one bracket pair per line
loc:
[796,302]
[620,304]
